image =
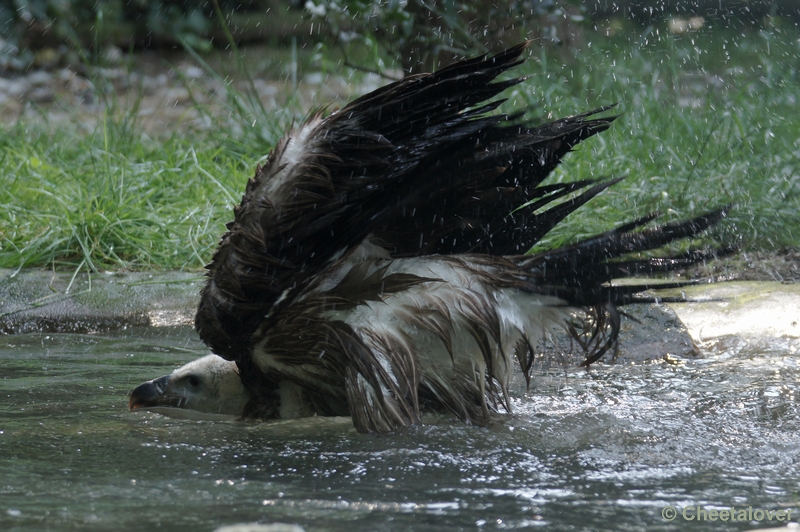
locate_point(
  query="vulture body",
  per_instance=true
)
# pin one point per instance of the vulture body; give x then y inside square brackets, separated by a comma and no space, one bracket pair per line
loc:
[376,265]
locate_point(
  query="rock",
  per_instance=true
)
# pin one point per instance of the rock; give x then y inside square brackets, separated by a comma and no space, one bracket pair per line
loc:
[112,55]
[255,527]
[17,87]
[696,23]
[791,527]
[193,72]
[37,78]
[177,95]
[42,301]
[314,78]
[653,332]
[79,84]
[66,74]
[112,73]
[151,84]
[266,89]
[42,95]
[742,309]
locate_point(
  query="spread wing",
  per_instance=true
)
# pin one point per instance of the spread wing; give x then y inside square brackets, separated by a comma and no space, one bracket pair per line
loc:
[419,164]
[420,167]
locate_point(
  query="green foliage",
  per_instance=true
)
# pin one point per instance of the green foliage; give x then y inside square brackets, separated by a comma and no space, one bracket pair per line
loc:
[421,36]
[707,118]
[112,197]
[27,25]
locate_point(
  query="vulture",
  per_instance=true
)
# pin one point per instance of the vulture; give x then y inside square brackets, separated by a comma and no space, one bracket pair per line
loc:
[377,265]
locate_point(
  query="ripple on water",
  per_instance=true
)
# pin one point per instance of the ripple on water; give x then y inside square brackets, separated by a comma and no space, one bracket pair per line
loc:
[605,449]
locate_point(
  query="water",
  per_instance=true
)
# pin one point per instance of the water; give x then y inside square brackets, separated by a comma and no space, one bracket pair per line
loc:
[604,450]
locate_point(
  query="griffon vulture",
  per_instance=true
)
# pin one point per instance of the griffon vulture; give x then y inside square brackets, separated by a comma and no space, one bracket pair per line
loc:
[376,265]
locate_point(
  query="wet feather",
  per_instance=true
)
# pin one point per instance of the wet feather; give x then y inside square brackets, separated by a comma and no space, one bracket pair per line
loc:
[375,266]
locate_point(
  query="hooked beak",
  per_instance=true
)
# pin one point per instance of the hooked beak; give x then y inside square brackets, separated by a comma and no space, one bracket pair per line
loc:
[154,393]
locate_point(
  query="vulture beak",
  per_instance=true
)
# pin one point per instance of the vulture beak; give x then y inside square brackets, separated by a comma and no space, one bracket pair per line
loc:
[154,393]
[207,385]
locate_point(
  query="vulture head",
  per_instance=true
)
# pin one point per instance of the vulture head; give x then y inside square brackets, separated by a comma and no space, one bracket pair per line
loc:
[209,385]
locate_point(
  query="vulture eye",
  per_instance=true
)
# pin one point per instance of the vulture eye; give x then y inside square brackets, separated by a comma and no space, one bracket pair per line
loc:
[194,381]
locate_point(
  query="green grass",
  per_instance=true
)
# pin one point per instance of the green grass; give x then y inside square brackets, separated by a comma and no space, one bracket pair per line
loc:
[112,198]
[707,119]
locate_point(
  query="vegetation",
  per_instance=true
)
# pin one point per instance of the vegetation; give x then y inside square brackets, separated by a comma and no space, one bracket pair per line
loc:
[40,31]
[421,36]
[707,118]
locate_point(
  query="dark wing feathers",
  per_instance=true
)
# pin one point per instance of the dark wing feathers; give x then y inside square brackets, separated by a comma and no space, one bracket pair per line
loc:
[447,211]
[417,164]
[597,260]
[581,273]
[324,188]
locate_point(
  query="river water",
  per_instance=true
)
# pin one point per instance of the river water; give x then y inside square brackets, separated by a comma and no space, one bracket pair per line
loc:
[609,449]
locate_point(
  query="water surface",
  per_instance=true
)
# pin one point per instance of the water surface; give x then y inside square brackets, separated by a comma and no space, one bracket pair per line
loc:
[607,449]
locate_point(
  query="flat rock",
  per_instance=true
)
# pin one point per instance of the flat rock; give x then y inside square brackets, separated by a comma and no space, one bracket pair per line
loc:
[746,309]
[651,332]
[42,301]
[255,527]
